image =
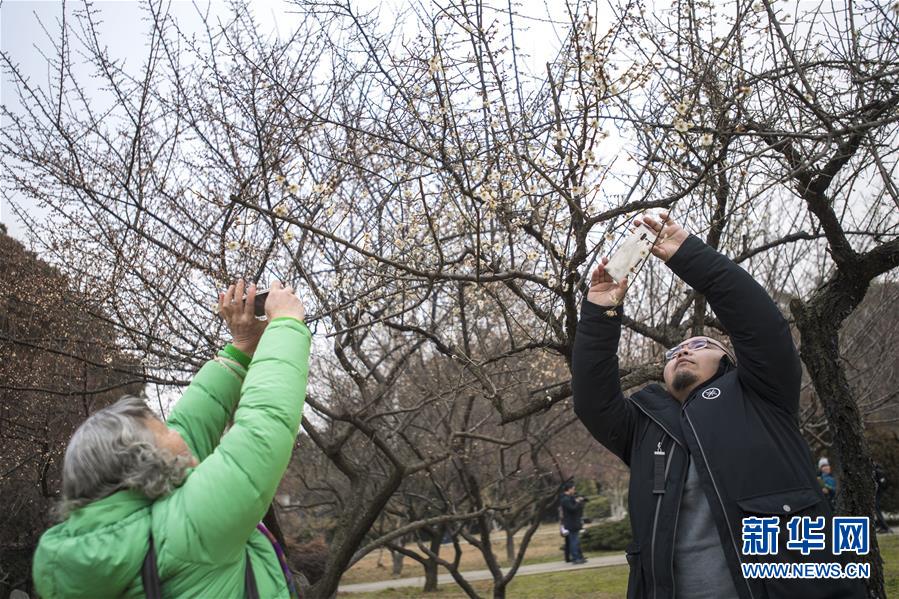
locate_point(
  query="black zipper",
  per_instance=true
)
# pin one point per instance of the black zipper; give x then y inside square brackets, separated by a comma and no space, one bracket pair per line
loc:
[676,517]
[655,520]
[730,530]
[659,500]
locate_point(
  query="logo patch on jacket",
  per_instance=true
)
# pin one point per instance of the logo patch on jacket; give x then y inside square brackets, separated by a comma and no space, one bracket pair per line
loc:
[711,393]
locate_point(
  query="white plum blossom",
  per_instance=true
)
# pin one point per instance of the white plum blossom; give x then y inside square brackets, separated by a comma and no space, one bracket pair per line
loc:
[434,65]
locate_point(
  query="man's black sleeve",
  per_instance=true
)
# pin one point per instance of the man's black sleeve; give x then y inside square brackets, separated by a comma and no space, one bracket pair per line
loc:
[598,400]
[569,505]
[767,360]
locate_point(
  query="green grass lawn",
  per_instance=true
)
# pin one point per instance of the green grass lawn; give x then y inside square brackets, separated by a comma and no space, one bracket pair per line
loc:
[598,583]
[889,552]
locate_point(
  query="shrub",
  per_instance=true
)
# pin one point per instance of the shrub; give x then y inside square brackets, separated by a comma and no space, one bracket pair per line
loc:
[607,536]
[597,508]
[585,487]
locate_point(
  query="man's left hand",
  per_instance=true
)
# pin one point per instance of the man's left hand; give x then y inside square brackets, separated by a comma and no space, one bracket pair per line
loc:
[670,235]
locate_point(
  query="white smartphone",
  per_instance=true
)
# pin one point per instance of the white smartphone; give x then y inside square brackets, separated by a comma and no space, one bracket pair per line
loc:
[628,256]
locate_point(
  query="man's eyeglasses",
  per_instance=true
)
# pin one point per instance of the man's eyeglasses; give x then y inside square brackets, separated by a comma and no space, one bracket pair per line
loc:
[693,345]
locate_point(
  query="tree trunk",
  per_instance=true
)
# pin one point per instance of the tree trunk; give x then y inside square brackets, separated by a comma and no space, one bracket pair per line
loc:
[431,563]
[353,524]
[819,322]
[430,576]
[619,506]
[510,545]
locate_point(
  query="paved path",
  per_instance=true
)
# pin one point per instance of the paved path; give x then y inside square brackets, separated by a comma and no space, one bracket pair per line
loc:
[544,568]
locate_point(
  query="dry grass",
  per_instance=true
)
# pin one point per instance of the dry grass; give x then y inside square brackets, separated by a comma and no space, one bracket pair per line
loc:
[544,546]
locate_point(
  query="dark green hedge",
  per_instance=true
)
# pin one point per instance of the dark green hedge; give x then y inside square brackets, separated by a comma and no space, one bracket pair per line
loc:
[608,536]
[597,508]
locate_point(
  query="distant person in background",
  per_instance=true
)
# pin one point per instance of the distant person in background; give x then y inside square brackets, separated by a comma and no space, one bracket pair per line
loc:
[827,481]
[566,546]
[881,482]
[572,521]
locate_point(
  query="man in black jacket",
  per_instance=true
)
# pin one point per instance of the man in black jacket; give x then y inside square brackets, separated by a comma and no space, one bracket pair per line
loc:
[718,442]
[572,508]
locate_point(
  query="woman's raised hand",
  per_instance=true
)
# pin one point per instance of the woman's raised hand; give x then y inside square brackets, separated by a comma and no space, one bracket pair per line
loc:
[282,301]
[238,314]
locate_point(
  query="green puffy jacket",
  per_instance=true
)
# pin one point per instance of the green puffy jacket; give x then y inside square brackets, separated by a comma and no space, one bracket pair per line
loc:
[204,529]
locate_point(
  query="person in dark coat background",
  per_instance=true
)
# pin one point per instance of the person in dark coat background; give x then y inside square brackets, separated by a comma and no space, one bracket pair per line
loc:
[573,521]
[719,441]
[566,546]
[881,482]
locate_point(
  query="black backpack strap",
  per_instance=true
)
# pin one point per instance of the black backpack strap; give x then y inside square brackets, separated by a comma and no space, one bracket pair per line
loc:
[250,590]
[149,575]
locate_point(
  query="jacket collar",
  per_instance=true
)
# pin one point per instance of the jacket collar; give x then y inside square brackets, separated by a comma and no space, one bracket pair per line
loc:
[655,401]
[661,407]
[724,366]
[113,508]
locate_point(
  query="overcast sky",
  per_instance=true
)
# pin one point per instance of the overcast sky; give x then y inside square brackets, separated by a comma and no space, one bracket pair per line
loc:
[27,27]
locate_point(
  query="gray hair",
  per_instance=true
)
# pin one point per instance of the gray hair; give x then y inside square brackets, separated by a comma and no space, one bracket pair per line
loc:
[113,450]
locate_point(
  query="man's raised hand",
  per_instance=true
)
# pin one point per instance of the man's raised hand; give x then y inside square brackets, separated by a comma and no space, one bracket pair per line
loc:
[670,235]
[604,291]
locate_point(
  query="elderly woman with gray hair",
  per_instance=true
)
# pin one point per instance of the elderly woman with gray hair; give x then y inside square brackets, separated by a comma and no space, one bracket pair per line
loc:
[173,509]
